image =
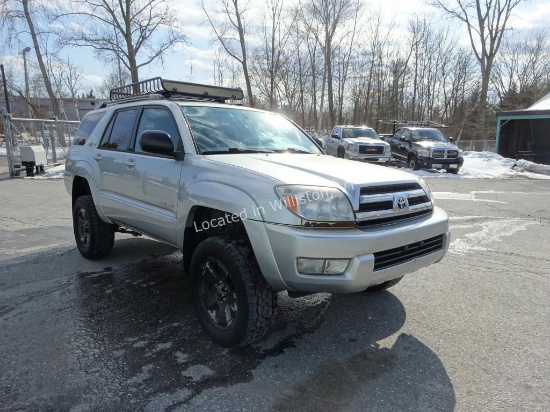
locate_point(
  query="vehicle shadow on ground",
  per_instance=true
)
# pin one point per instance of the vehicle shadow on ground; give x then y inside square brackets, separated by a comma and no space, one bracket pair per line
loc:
[135,334]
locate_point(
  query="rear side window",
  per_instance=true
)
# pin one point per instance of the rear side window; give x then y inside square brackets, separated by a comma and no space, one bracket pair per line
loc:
[119,132]
[86,127]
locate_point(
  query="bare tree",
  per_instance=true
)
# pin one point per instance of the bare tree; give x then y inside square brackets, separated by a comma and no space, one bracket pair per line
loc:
[331,15]
[21,18]
[522,70]
[129,33]
[112,81]
[229,26]
[486,21]
[270,57]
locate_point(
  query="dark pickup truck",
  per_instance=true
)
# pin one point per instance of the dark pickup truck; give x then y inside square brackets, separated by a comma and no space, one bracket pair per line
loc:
[425,148]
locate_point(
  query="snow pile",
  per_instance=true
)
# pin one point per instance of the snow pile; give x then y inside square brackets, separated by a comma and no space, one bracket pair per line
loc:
[527,166]
[55,172]
[489,165]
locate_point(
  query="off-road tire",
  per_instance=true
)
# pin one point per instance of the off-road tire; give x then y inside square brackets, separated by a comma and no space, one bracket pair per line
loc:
[256,302]
[94,238]
[453,171]
[383,285]
[341,152]
[412,163]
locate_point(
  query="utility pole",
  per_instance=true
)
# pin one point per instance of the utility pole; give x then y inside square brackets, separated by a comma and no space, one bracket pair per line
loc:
[25,51]
[8,110]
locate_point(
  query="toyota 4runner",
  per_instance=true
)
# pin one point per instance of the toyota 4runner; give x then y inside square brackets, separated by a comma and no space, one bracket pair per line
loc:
[250,200]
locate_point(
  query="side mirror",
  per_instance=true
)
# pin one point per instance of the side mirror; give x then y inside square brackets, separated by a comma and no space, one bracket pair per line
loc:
[451,139]
[158,142]
[335,136]
[403,138]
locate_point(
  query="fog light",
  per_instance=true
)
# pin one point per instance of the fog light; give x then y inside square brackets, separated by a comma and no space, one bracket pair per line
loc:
[322,266]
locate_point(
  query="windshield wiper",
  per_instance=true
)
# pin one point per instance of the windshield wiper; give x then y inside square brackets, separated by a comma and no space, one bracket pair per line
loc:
[231,150]
[293,150]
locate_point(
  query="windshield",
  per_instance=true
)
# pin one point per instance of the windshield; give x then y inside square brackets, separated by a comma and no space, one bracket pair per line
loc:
[354,132]
[221,130]
[429,134]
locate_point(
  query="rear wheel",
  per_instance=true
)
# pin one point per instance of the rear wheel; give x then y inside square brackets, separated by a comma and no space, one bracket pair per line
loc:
[94,238]
[232,300]
[412,163]
[384,285]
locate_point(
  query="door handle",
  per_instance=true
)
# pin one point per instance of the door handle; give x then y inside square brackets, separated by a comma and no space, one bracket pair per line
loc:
[97,157]
[130,164]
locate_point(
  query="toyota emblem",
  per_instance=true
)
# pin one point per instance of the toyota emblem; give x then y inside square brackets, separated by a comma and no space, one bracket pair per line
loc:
[401,204]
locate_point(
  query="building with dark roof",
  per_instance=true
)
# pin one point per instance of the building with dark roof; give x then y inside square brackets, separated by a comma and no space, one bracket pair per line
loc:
[525,133]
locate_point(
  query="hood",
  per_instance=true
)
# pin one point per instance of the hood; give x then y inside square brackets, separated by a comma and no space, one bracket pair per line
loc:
[431,144]
[319,170]
[365,140]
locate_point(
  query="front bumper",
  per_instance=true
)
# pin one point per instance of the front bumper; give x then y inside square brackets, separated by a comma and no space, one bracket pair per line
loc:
[286,244]
[431,163]
[370,158]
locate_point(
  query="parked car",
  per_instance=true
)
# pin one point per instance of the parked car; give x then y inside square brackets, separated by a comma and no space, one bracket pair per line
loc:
[358,143]
[426,148]
[249,199]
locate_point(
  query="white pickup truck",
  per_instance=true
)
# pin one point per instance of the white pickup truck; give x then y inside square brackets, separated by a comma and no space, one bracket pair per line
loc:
[250,200]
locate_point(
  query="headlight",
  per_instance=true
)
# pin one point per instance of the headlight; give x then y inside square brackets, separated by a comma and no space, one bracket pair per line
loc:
[460,153]
[316,204]
[351,147]
[424,153]
[426,188]
[387,149]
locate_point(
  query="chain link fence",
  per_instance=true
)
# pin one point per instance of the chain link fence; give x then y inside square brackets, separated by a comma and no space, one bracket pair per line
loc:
[477,145]
[52,136]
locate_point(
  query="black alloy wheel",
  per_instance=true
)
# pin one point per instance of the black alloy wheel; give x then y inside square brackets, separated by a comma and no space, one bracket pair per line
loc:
[233,302]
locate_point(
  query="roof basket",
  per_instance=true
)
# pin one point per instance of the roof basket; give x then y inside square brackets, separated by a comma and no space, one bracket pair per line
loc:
[411,123]
[171,89]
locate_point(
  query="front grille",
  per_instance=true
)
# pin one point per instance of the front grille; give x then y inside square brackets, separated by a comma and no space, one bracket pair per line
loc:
[374,150]
[402,254]
[381,190]
[379,205]
[452,154]
[376,206]
[444,154]
[392,219]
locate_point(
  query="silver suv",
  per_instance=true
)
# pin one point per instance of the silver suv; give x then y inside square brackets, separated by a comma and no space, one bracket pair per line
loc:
[250,200]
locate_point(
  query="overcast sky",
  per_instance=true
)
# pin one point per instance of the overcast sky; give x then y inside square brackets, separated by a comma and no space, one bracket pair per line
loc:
[192,62]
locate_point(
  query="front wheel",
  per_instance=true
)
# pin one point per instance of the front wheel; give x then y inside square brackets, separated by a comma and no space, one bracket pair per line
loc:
[341,152]
[412,163]
[232,300]
[94,238]
[453,171]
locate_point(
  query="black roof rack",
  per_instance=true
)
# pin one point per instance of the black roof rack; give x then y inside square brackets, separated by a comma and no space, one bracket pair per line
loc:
[171,89]
[411,123]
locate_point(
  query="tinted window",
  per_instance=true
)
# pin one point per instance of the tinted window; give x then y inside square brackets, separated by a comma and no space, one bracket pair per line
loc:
[157,119]
[119,133]
[360,132]
[86,127]
[429,134]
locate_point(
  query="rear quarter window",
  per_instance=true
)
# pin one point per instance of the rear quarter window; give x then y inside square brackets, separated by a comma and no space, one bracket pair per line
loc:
[86,127]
